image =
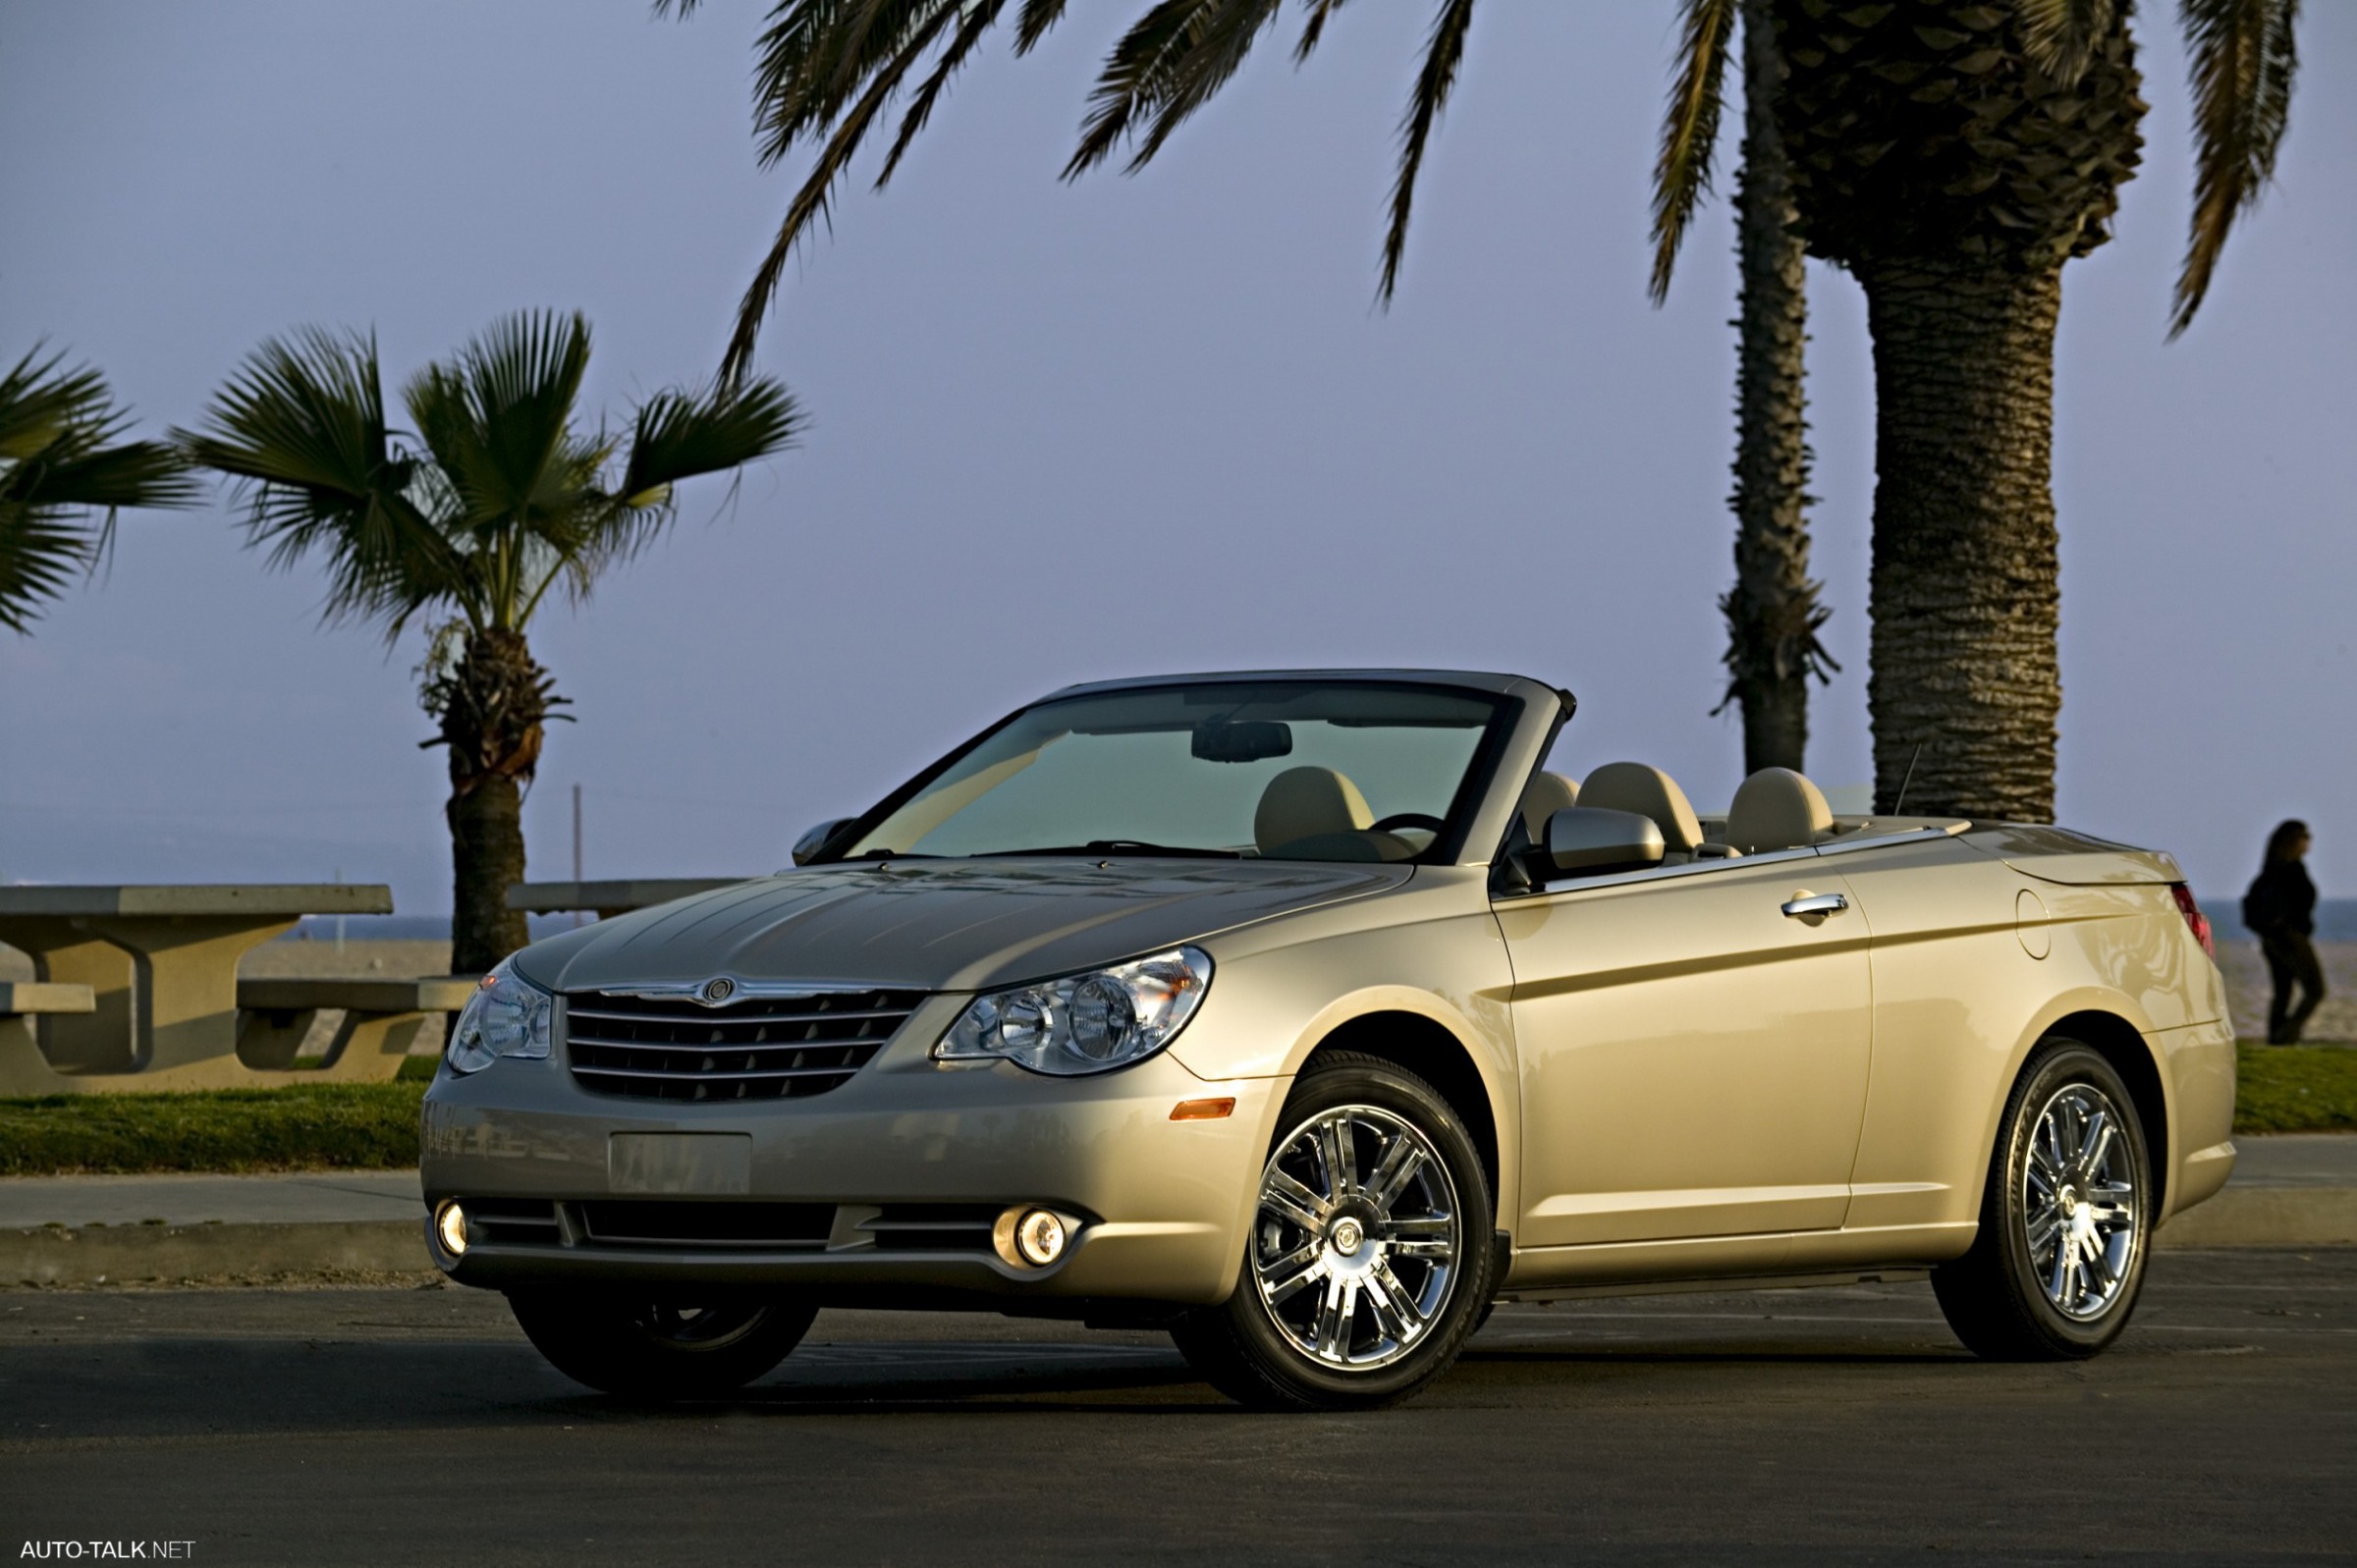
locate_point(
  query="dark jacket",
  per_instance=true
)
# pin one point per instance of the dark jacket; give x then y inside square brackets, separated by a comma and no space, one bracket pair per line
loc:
[2281,899]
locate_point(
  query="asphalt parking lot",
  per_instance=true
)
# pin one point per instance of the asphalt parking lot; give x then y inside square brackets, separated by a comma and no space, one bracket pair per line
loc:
[414,1424]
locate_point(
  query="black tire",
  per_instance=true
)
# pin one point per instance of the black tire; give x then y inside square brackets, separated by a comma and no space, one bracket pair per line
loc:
[1997,1296]
[1244,1348]
[647,1348]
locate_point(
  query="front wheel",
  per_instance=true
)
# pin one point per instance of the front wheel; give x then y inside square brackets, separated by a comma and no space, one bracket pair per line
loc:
[2066,1220]
[1369,1258]
[661,1349]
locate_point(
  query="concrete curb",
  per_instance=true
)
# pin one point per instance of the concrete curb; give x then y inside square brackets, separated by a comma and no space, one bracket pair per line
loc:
[95,1255]
[141,1254]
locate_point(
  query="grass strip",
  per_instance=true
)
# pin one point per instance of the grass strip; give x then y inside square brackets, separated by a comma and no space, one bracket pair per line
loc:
[2295,1088]
[307,1127]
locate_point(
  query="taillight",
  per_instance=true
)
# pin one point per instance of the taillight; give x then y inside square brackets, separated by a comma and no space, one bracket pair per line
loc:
[2195,921]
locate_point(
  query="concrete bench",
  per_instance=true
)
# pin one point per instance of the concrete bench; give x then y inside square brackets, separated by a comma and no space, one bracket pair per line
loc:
[21,998]
[22,1070]
[382,1019]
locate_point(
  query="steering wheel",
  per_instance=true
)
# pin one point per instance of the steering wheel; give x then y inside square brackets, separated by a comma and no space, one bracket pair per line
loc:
[1410,818]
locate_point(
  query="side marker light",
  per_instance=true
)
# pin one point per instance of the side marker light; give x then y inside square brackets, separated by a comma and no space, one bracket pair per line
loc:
[1203,1110]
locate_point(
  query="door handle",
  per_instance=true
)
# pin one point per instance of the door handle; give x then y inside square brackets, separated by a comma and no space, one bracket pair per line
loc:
[1816,906]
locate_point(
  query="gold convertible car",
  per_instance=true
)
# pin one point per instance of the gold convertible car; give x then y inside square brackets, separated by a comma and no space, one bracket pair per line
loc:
[1304,1014]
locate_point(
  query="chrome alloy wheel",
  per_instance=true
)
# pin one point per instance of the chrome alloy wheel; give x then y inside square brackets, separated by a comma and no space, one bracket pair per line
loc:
[1355,1244]
[2079,1202]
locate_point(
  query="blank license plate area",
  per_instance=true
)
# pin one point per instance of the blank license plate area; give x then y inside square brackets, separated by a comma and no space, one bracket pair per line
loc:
[707,1164]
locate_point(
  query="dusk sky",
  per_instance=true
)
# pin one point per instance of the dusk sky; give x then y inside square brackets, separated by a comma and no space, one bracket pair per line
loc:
[1067,433]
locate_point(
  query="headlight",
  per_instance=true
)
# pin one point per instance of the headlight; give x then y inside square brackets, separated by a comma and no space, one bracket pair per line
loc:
[507,1017]
[1083,1023]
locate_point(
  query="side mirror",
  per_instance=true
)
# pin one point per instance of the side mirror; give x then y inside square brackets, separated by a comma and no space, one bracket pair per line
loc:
[1587,839]
[807,847]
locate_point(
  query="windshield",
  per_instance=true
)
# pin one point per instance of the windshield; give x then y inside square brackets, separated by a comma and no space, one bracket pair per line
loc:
[1280,770]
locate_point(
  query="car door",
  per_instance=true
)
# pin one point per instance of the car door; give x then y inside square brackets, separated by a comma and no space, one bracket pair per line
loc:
[1693,1058]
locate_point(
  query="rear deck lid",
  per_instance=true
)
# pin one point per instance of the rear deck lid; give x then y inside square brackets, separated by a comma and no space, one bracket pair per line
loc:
[2075,859]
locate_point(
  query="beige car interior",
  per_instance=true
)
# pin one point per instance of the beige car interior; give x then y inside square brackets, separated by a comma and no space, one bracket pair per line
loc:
[1546,794]
[1774,809]
[1649,792]
[1778,809]
[1318,814]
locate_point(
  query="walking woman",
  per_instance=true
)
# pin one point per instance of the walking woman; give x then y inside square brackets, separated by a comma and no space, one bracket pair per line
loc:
[2281,911]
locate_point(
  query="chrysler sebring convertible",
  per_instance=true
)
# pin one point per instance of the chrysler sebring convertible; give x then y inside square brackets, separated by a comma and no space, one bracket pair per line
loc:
[1305,1014]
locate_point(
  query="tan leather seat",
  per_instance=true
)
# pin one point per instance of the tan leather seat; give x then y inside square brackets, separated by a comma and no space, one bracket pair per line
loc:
[1546,794]
[1778,809]
[1649,792]
[1308,803]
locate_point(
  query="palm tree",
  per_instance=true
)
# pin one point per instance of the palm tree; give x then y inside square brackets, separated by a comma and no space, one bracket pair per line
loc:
[495,500]
[829,71]
[1953,155]
[1773,615]
[60,462]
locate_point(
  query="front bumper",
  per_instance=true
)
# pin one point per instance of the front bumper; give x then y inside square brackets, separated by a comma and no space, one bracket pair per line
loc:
[1160,1206]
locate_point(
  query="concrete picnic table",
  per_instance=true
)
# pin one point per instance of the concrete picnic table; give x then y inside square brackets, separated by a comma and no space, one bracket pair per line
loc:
[137,989]
[609,898]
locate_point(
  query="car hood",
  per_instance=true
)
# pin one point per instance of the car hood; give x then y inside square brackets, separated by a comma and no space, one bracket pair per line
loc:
[940,925]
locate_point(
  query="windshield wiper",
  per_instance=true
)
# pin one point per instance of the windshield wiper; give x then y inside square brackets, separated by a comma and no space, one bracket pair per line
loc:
[1112,846]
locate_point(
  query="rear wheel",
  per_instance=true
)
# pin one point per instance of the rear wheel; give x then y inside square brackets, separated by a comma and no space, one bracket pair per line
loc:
[661,1348]
[2065,1220]
[1369,1256]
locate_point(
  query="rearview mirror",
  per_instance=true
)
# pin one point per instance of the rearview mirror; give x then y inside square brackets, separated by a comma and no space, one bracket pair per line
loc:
[1241,740]
[807,847]
[1588,839]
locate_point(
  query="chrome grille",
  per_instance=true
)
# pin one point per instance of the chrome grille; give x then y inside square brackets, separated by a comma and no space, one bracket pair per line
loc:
[753,1047]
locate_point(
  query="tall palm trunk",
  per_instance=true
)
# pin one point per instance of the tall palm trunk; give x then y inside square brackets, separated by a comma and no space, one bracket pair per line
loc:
[486,852]
[1965,595]
[1771,611]
[493,703]
[1954,176]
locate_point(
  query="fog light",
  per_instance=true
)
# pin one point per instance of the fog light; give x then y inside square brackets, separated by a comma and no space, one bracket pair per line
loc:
[1039,1237]
[1030,1237]
[450,1227]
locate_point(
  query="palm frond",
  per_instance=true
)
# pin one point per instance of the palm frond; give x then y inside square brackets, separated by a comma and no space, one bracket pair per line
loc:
[2242,56]
[817,58]
[1034,22]
[60,459]
[1170,61]
[1681,171]
[302,425]
[2061,35]
[498,420]
[40,403]
[679,435]
[813,202]
[977,19]
[1313,32]
[1444,52]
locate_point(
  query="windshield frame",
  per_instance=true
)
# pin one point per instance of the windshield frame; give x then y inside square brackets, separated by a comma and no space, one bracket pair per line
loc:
[1480,777]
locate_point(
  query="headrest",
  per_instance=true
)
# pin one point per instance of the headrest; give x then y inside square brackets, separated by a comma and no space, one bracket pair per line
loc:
[1778,809]
[1545,795]
[1304,802]
[1649,792]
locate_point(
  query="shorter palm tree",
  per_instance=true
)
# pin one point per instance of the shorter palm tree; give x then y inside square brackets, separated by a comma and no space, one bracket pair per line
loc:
[466,526]
[63,475]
